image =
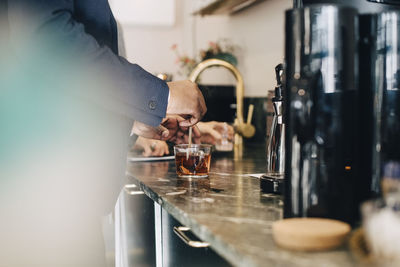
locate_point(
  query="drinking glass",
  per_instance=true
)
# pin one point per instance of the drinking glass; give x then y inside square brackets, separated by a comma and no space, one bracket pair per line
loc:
[192,160]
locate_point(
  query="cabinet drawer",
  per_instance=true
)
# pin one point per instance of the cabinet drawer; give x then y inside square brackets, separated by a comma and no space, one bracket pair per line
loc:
[179,253]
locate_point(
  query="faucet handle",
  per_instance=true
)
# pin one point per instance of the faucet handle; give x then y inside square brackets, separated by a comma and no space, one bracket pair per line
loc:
[250,113]
[245,128]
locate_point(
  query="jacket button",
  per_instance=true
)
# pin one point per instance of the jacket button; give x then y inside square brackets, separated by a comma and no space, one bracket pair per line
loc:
[152,105]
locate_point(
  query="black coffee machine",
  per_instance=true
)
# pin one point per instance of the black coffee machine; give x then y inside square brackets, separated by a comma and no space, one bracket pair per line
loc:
[342,105]
[322,169]
[380,92]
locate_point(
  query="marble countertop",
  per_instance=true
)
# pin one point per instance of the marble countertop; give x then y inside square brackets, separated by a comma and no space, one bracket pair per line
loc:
[228,210]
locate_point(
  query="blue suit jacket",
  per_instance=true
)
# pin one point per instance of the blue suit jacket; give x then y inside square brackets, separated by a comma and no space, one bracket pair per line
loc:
[88,31]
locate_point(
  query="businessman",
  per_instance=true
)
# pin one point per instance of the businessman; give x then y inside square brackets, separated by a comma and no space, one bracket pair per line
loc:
[66,110]
[86,30]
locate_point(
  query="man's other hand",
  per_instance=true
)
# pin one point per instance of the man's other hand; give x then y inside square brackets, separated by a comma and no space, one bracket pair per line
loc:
[186,100]
[212,132]
[170,129]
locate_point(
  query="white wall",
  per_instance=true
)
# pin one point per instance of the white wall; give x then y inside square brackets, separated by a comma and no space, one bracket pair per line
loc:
[258,30]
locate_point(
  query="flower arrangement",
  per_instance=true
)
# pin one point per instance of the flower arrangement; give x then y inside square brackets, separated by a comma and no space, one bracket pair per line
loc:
[221,49]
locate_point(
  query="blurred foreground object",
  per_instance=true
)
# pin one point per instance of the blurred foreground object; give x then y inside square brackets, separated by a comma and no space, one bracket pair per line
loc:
[381,223]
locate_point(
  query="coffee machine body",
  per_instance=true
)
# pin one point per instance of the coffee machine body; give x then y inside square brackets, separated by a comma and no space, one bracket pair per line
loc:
[380,92]
[387,85]
[321,167]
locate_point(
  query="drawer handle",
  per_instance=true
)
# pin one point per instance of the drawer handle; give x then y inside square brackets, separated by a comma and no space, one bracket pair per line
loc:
[180,232]
[129,189]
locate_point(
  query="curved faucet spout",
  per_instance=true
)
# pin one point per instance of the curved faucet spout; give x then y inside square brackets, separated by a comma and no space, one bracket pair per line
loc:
[243,128]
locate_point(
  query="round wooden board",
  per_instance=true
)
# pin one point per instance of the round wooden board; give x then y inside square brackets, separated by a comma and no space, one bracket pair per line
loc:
[310,234]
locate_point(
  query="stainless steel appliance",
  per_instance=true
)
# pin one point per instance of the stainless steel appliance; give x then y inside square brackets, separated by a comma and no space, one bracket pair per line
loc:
[272,181]
[276,142]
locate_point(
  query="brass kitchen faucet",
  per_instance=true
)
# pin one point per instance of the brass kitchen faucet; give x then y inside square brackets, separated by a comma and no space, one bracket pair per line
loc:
[242,128]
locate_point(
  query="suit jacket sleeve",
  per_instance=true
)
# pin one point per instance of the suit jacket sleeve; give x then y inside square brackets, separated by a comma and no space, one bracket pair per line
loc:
[47,29]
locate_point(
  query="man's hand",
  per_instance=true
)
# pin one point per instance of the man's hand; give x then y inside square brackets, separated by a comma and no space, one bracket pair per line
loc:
[146,131]
[186,100]
[169,129]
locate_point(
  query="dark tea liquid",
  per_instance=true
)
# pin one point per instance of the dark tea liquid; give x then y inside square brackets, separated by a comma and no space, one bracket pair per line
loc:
[194,165]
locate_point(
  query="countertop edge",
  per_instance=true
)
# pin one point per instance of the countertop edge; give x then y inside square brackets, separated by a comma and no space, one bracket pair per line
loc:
[229,253]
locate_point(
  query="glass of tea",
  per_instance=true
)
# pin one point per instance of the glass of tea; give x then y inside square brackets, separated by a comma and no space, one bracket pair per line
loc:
[192,160]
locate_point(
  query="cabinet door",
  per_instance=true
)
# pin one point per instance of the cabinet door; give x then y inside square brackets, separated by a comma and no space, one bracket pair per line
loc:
[135,233]
[176,253]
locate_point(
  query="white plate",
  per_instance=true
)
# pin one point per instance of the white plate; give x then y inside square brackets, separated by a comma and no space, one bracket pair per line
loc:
[138,159]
